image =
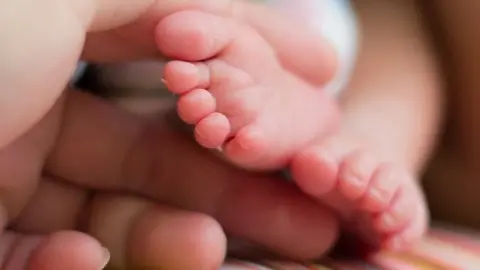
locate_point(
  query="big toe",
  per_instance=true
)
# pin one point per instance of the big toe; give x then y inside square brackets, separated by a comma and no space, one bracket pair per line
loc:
[193,35]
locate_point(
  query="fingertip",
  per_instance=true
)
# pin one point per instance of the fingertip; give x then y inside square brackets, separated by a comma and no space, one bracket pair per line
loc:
[177,240]
[69,250]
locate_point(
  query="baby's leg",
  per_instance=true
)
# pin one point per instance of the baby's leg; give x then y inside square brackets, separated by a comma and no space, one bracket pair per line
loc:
[368,171]
[237,94]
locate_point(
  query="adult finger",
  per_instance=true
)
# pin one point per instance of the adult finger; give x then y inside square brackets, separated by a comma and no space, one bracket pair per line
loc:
[21,164]
[52,46]
[58,251]
[137,232]
[104,147]
[127,33]
[55,206]
[141,235]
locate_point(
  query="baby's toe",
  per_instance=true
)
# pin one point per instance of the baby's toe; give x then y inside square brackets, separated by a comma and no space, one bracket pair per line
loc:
[181,77]
[410,234]
[247,147]
[383,187]
[212,131]
[195,105]
[355,174]
[402,210]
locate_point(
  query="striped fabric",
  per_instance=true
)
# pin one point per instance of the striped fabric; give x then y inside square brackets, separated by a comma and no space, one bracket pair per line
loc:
[444,248]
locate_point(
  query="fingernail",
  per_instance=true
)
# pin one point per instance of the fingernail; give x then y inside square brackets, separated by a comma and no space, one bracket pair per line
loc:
[231,267]
[106,258]
[376,195]
[164,82]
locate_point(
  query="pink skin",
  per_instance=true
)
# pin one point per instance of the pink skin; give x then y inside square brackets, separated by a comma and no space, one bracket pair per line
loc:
[236,93]
[233,89]
[380,202]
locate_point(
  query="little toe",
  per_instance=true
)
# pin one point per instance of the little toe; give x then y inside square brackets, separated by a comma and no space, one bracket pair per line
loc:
[212,131]
[181,77]
[314,170]
[355,174]
[410,235]
[195,105]
[383,187]
[402,210]
[193,35]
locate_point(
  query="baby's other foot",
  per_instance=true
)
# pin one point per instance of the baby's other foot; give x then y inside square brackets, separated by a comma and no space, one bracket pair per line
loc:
[380,202]
[236,93]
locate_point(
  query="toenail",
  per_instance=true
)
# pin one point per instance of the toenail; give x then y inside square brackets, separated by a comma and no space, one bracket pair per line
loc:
[357,174]
[388,220]
[325,157]
[354,180]
[377,194]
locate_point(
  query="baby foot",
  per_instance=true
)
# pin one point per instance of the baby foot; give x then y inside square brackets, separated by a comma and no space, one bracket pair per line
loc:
[236,93]
[378,201]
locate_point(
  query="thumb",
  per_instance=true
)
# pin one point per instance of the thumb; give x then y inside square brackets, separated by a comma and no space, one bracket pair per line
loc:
[41,44]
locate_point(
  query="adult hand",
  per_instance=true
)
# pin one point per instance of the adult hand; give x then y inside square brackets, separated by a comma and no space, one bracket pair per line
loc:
[65,174]
[42,42]
[88,143]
